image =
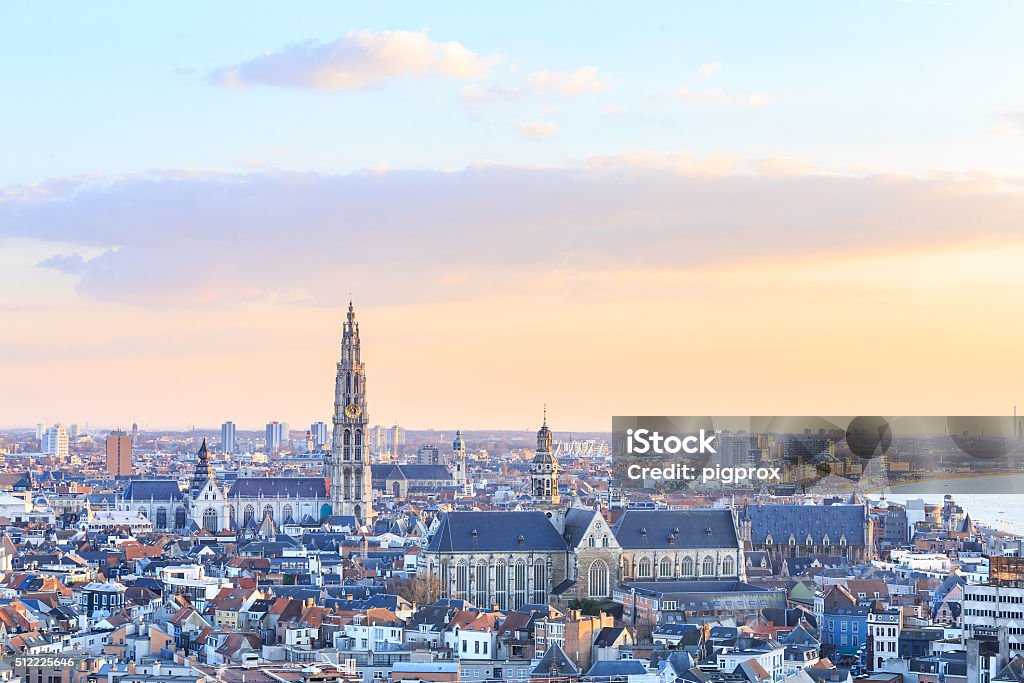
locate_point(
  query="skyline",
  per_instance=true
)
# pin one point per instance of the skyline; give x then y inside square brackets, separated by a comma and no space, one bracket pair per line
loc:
[804,212]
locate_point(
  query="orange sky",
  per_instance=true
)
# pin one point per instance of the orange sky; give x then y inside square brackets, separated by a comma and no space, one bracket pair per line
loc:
[901,332]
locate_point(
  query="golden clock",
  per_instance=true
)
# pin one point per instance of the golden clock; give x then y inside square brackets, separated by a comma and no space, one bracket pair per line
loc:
[352,411]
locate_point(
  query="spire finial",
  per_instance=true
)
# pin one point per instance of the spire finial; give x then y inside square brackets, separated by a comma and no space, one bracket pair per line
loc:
[545,414]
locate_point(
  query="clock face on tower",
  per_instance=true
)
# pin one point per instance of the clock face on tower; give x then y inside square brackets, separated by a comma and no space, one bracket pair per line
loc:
[352,411]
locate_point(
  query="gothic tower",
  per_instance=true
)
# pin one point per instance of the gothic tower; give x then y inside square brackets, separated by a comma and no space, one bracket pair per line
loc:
[347,466]
[544,468]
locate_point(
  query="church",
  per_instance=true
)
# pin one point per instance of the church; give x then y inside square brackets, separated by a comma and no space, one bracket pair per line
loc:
[558,552]
[344,490]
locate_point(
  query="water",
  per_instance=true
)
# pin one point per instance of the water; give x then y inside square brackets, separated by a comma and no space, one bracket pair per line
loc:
[995,501]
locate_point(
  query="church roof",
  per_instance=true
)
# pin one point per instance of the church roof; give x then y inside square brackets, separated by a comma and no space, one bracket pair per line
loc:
[496,532]
[577,521]
[638,529]
[279,487]
[426,472]
[153,489]
[802,521]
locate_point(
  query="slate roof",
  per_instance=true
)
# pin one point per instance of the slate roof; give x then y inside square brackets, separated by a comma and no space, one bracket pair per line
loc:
[555,662]
[155,489]
[496,532]
[608,668]
[411,472]
[577,521]
[639,529]
[279,487]
[781,521]
[1013,671]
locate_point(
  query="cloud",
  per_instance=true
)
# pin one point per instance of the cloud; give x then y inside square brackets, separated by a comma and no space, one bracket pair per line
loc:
[72,264]
[197,239]
[538,129]
[708,70]
[583,81]
[360,59]
[1009,123]
[718,97]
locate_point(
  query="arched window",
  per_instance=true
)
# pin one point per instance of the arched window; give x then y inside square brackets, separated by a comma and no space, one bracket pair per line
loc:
[179,518]
[590,542]
[462,580]
[287,515]
[501,584]
[686,568]
[519,582]
[707,568]
[665,570]
[161,517]
[604,541]
[210,520]
[143,512]
[248,515]
[480,585]
[643,569]
[825,540]
[597,579]
[346,441]
[540,582]
[268,511]
[728,566]
[359,444]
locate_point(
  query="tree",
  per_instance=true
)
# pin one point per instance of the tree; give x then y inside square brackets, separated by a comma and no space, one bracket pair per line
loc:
[420,589]
[587,606]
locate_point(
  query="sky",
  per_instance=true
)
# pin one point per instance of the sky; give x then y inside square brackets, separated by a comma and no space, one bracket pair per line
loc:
[697,208]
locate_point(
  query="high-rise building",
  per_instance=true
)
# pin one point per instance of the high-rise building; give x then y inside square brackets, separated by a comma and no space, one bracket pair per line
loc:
[319,432]
[227,437]
[135,434]
[428,454]
[55,441]
[40,431]
[277,436]
[119,454]
[347,466]
[397,439]
[380,440]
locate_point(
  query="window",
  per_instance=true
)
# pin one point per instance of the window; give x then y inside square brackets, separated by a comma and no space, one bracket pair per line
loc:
[597,579]
[708,567]
[665,570]
[687,566]
[210,520]
[728,566]
[643,569]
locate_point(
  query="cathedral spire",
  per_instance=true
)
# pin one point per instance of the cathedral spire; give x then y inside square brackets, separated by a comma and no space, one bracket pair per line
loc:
[347,466]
